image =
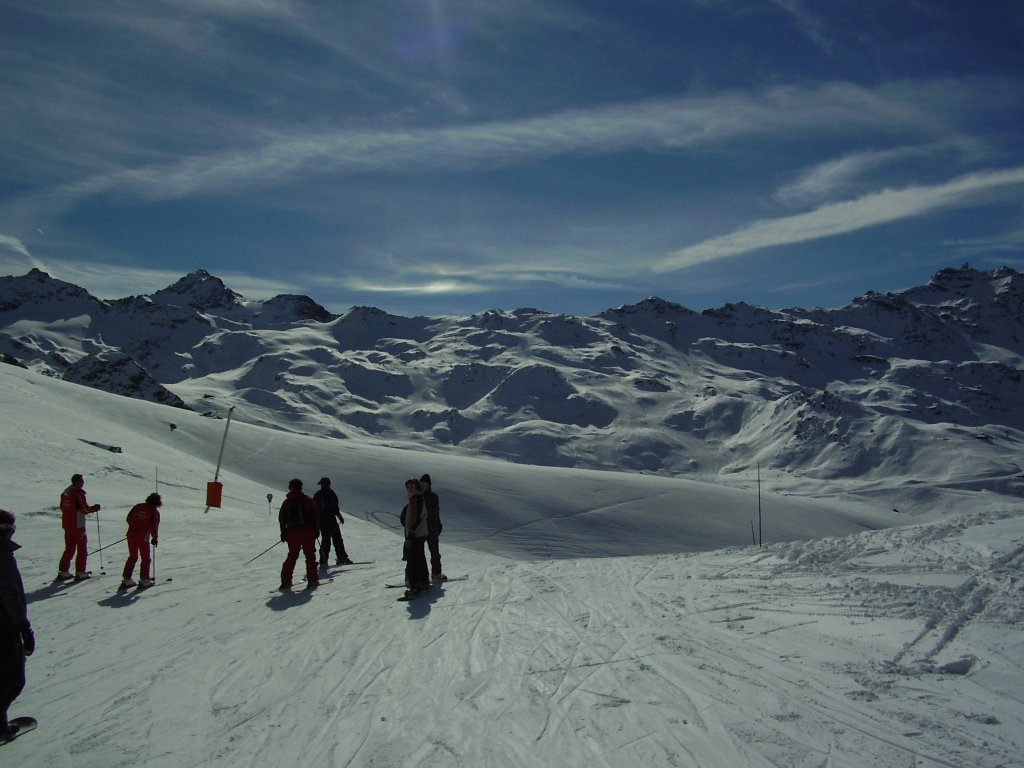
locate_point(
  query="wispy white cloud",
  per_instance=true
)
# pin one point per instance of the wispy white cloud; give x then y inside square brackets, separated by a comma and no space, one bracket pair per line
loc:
[809,25]
[15,246]
[838,176]
[428,287]
[848,216]
[659,125]
[1003,242]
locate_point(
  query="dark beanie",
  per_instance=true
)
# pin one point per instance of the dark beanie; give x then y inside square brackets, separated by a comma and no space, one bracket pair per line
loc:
[425,479]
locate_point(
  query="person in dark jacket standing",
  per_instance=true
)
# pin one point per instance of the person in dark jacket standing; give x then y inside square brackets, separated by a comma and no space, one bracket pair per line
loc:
[329,509]
[16,638]
[433,528]
[298,519]
[414,520]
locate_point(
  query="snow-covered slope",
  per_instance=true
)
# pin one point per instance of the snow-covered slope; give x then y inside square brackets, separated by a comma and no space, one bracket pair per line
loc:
[841,399]
[877,649]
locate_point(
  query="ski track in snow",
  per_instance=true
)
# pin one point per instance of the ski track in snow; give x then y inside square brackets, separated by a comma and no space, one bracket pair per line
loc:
[655,661]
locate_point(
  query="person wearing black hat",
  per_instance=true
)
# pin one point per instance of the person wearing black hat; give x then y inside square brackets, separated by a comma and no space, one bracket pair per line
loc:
[433,504]
[329,509]
[16,638]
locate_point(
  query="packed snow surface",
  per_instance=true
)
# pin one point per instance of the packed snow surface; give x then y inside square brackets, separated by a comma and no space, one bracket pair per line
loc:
[607,619]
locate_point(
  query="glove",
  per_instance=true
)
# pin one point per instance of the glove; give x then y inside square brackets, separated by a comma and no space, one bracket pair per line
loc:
[28,641]
[342,519]
[94,508]
[154,541]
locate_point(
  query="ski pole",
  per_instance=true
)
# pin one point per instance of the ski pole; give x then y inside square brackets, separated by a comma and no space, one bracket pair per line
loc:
[109,545]
[262,553]
[99,540]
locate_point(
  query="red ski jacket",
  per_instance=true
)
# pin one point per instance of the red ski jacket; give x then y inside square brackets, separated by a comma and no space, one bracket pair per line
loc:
[143,522]
[73,508]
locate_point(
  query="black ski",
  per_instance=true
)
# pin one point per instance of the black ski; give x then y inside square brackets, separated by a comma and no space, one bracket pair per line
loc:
[445,581]
[142,587]
[281,591]
[18,726]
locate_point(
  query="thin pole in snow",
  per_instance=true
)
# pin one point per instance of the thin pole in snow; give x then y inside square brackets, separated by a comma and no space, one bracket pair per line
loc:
[223,442]
[99,540]
[760,535]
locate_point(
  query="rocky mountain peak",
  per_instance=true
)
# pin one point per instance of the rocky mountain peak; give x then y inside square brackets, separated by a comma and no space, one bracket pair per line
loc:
[201,291]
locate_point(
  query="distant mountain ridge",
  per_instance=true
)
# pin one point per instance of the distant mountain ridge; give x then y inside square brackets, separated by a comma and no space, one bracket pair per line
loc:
[831,394]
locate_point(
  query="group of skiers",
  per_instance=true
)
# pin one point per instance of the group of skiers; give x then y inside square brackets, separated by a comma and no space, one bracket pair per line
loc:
[302,519]
[421,521]
[143,531]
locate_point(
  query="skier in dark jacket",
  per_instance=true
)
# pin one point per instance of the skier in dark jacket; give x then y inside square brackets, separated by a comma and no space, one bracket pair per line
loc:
[298,519]
[433,528]
[414,520]
[329,509]
[16,638]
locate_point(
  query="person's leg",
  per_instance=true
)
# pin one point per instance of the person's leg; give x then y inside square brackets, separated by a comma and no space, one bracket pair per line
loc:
[309,547]
[133,557]
[422,575]
[325,548]
[81,565]
[12,673]
[435,555]
[288,567]
[339,545]
[147,558]
[70,545]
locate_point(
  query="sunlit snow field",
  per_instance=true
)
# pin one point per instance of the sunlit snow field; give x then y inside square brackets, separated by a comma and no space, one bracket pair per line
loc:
[607,619]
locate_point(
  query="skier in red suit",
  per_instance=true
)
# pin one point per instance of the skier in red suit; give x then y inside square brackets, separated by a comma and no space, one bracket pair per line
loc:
[299,521]
[143,528]
[73,509]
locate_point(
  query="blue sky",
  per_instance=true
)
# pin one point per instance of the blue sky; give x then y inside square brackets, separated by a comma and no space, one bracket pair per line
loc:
[450,156]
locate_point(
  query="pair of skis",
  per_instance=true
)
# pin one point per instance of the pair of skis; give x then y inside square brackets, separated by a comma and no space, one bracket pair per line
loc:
[408,598]
[143,587]
[286,590]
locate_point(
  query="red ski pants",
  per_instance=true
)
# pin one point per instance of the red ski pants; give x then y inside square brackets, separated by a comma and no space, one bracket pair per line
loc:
[74,540]
[303,539]
[137,547]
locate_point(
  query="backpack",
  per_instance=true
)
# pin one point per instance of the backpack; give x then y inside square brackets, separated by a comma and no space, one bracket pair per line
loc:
[293,513]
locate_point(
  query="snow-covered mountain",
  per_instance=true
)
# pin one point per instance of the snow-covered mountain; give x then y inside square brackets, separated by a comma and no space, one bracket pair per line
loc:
[849,396]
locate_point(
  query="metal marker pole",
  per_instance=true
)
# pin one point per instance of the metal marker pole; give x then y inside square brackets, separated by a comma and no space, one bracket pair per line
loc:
[223,442]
